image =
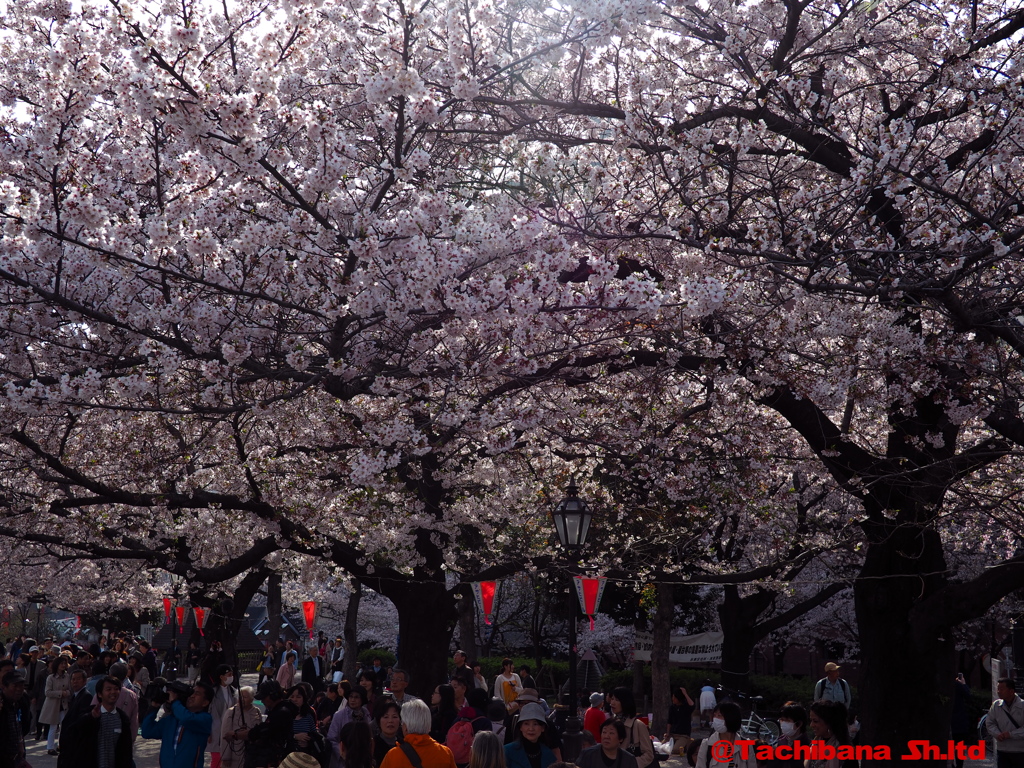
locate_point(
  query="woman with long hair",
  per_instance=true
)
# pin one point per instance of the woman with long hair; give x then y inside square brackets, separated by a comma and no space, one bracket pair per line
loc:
[304,729]
[442,711]
[828,723]
[58,692]
[488,751]
[507,685]
[367,680]
[356,745]
[638,738]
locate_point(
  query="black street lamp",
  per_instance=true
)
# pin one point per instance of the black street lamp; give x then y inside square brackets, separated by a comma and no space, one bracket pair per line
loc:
[572,519]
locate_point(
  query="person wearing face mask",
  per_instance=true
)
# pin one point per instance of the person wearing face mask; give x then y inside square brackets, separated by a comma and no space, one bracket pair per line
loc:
[726,721]
[224,699]
[638,738]
[793,725]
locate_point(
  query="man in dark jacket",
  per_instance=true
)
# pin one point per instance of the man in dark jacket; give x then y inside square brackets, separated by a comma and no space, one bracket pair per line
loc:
[270,741]
[313,670]
[79,704]
[12,739]
[104,738]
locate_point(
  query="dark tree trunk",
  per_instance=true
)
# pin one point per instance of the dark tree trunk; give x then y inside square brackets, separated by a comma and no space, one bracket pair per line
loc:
[738,616]
[351,632]
[660,695]
[467,623]
[274,607]
[899,572]
[426,619]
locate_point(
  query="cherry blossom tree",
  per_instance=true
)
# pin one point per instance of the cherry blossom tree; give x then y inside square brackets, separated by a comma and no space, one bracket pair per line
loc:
[844,179]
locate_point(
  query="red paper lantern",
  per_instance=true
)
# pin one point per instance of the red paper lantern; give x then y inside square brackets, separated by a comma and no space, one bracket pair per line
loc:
[200,617]
[167,610]
[484,592]
[309,613]
[589,592]
[180,612]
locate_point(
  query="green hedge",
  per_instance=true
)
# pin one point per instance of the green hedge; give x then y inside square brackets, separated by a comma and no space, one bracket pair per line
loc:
[365,658]
[549,675]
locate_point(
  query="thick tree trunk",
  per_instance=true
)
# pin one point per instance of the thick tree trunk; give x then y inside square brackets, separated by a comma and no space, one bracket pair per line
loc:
[351,632]
[274,607]
[660,695]
[426,619]
[467,623]
[899,572]
[739,616]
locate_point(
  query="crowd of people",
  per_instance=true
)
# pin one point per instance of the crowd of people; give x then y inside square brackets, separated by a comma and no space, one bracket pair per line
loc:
[91,704]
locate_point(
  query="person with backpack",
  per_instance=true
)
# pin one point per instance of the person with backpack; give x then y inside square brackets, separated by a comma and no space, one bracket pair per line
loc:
[472,719]
[528,749]
[833,688]
[1005,723]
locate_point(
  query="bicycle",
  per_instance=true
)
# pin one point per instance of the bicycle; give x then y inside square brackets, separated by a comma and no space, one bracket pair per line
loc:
[754,726]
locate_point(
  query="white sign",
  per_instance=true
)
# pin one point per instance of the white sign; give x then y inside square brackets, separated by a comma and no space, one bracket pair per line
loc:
[705,648]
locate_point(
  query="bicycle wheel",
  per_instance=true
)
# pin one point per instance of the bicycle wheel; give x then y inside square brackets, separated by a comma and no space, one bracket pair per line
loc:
[770,732]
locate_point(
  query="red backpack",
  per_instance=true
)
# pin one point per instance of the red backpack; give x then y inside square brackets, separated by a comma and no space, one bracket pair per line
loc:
[460,741]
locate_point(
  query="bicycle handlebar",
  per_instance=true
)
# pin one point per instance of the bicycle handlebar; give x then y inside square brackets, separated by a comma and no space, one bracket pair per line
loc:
[739,694]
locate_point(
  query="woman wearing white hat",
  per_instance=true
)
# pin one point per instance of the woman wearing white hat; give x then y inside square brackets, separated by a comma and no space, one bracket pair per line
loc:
[528,750]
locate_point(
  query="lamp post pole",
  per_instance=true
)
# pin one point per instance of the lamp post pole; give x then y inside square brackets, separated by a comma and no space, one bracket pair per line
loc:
[572,519]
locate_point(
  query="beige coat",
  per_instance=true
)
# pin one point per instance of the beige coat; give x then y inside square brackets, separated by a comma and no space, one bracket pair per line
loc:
[57,695]
[232,752]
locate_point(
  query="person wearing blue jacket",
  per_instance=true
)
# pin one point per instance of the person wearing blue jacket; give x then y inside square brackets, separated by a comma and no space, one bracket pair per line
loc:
[184,729]
[529,750]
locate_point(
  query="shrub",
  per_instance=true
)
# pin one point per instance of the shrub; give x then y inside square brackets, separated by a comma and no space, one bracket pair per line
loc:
[387,658]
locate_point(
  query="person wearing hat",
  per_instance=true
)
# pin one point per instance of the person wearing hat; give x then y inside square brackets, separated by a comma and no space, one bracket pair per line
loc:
[528,749]
[299,760]
[832,687]
[595,716]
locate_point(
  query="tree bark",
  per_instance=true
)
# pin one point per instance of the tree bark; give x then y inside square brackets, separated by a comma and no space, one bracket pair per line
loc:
[467,623]
[351,631]
[899,571]
[738,616]
[274,607]
[426,619]
[660,688]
